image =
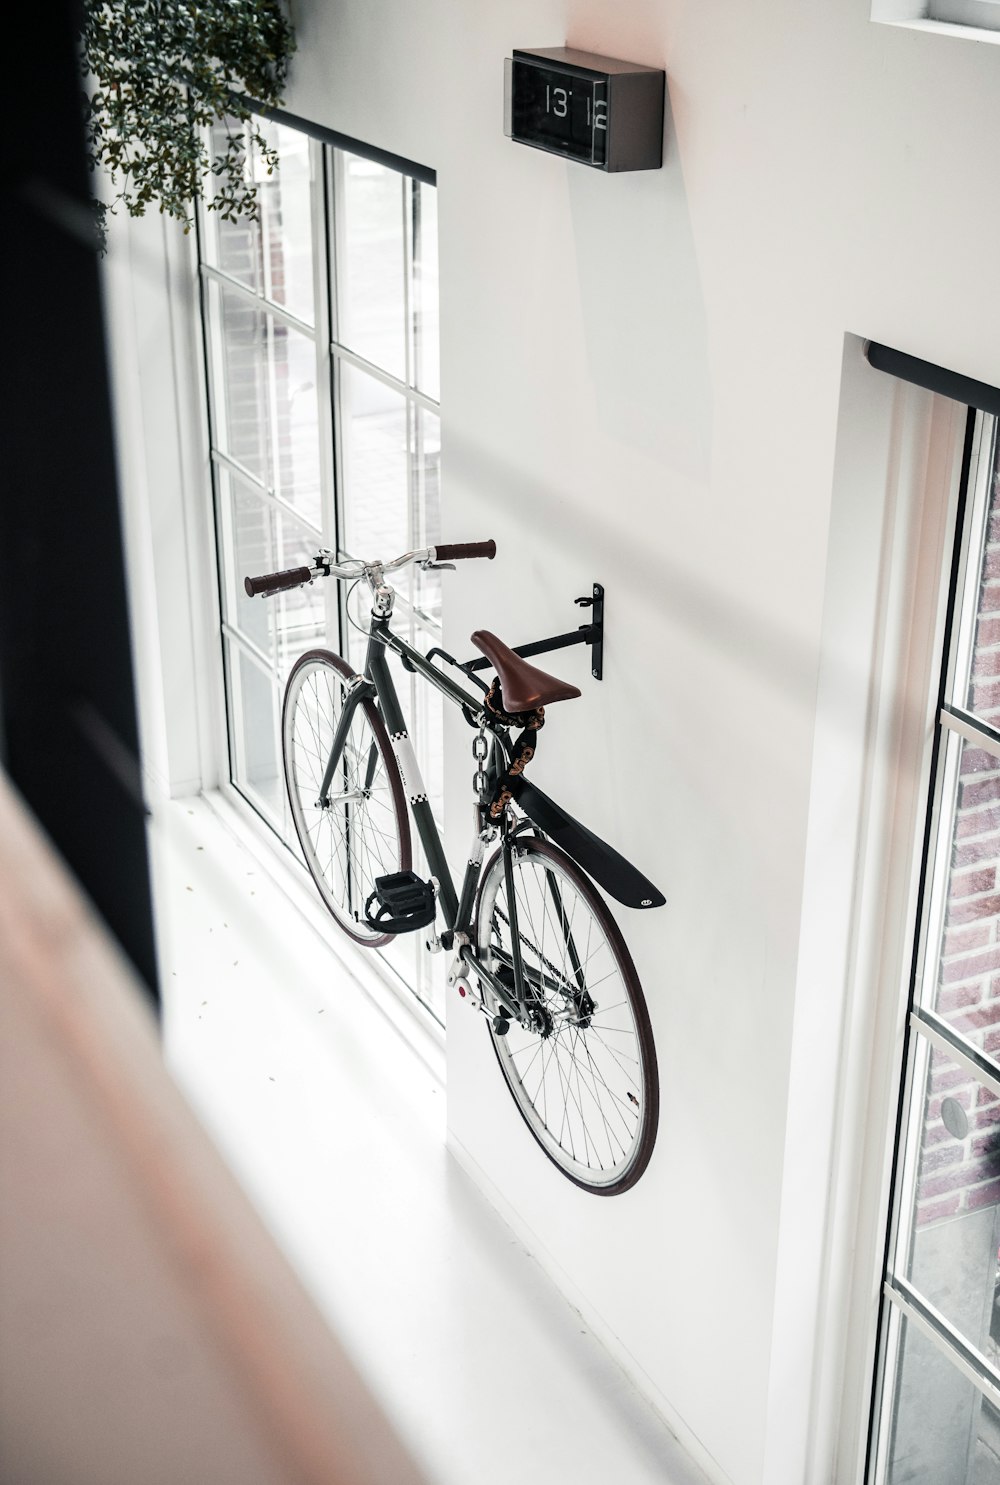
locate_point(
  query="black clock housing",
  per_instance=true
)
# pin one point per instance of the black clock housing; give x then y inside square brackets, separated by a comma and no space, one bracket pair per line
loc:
[593,109]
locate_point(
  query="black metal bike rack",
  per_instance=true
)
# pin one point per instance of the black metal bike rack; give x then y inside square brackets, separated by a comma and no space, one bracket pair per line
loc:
[591,634]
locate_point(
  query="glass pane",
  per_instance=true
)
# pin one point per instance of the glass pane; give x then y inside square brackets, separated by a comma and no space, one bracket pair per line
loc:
[240,361]
[944,1432]
[235,246]
[427,486]
[426,358]
[248,545]
[375,467]
[983,695]
[956,1197]
[254,702]
[301,615]
[964,988]
[372,308]
[286,212]
[296,472]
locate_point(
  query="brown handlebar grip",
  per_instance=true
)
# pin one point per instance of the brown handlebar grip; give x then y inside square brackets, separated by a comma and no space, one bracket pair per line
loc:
[277,582]
[462,549]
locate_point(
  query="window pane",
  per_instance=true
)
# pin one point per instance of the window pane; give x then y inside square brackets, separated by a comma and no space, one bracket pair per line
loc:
[248,546]
[301,615]
[372,308]
[254,715]
[235,246]
[296,472]
[426,360]
[240,363]
[954,1232]
[964,986]
[427,489]
[944,1431]
[983,695]
[375,467]
[286,212]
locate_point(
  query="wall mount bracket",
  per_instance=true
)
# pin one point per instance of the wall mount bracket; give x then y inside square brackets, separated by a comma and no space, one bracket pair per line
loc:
[591,634]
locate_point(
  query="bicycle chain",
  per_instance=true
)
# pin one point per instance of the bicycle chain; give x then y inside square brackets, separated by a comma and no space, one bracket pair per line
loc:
[557,973]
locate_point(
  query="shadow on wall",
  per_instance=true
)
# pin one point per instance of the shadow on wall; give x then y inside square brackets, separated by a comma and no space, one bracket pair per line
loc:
[685,598]
[648,350]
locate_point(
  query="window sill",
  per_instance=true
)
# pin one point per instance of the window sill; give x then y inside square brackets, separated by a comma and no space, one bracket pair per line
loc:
[886,13]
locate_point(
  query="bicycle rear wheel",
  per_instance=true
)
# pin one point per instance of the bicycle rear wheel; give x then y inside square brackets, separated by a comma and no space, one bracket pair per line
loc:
[585,1080]
[362,831]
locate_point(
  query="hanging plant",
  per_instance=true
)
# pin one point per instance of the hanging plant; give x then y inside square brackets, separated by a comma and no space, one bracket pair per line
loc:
[158,73]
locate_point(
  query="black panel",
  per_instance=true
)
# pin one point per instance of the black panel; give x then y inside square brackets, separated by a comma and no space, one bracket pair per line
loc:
[68,734]
[353,146]
[935,378]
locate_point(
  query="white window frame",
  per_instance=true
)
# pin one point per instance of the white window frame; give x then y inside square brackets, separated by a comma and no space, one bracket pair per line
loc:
[900,1299]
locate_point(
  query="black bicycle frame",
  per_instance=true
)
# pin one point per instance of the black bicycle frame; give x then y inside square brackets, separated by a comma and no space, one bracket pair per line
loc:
[543,815]
[377,682]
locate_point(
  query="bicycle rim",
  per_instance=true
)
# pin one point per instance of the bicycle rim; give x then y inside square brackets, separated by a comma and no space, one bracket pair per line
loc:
[586,1084]
[363,832]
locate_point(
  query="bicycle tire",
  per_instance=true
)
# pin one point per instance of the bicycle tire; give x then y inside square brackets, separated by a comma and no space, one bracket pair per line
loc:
[587,1087]
[344,848]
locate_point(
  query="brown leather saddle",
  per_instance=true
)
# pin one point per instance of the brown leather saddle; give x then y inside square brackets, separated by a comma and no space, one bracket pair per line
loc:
[524,686]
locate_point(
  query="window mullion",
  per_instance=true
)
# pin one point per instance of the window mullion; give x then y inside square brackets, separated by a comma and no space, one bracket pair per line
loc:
[973,1365]
[976,1063]
[982,734]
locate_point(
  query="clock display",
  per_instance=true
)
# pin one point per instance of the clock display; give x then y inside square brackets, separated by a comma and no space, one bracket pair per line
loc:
[594,110]
[566,112]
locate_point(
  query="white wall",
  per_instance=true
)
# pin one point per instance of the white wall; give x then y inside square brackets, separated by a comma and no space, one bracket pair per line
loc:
[641,384]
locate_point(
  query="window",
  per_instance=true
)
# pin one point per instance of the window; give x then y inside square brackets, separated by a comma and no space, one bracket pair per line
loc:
[938,1416]
[322,344]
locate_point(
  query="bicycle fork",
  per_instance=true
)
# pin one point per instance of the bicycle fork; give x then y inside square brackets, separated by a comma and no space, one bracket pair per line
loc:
[501,1000]
[361,690]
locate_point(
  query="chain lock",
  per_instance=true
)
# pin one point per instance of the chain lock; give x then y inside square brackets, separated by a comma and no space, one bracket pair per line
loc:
[480,751]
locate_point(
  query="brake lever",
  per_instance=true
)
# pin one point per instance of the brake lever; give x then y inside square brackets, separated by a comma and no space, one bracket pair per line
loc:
[437,567]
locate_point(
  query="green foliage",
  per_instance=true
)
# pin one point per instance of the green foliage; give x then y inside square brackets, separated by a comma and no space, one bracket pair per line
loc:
[158,73]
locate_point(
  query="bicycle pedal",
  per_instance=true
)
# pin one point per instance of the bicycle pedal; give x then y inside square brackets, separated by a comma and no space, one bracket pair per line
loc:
[405,902]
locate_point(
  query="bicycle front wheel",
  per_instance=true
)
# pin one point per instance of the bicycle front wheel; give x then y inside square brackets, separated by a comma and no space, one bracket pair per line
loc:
[584,1078]
[361,830]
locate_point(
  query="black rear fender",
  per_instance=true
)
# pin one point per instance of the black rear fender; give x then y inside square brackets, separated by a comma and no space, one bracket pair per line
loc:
[609,870]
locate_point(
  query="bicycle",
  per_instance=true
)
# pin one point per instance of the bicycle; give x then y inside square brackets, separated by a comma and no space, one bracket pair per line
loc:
[534,946]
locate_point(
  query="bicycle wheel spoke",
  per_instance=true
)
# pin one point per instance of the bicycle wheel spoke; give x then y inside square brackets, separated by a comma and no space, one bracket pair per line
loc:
[592,1090]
